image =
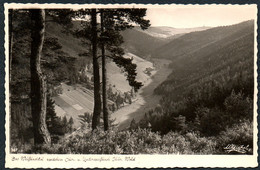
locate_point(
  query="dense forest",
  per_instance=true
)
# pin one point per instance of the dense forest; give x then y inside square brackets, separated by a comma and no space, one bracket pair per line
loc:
[211,89]
[207,100]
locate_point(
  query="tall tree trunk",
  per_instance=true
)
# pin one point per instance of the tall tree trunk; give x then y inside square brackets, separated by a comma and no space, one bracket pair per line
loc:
[10,54]
[10,42]
[104,77]
[97,96]
[38,83]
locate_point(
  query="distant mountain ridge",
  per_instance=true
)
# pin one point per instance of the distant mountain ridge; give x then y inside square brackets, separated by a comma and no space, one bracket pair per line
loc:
[168,32]
[143,42]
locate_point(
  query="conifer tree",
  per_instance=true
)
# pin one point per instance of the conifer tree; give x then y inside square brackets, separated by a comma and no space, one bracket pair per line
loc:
[104,76]
[112,22]
[97,95]
[109,39]
[10,16]
[38,82]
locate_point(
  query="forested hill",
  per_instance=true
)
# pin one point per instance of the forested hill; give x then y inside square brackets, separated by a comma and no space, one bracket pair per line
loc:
[143,42]
[212,84]
[228,49]
[140,43]
[194,41]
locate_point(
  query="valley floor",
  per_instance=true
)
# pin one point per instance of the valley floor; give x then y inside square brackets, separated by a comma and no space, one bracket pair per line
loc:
[145,99]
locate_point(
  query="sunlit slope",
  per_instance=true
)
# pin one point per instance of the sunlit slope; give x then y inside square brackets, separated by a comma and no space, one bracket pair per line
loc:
[74,101]
[117,78]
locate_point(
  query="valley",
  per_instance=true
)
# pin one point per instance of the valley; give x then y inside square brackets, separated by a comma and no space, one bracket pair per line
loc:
[75,100]
[165,65]
[145,99]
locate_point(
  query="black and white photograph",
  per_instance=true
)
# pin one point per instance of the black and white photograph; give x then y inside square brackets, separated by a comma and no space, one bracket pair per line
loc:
[124,81]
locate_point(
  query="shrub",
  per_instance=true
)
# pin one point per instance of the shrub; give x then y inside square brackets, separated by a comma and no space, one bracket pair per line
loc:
[240,134]
[200,145]
[175,143]
[139,141]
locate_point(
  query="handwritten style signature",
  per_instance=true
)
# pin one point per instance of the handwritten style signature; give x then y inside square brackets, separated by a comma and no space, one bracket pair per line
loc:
[232,148]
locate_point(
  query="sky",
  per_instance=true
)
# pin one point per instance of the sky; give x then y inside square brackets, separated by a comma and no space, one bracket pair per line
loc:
[200,15]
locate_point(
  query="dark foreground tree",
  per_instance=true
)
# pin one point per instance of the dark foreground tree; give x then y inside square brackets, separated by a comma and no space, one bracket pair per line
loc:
[104,76]
[112,22]
[10,16]
[38,82]
[97,96]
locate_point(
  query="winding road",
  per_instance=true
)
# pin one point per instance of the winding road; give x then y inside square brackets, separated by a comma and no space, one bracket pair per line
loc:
[145,99]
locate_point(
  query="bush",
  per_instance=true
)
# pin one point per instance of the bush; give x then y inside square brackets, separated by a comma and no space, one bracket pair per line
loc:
[240,134]
[175,143]
[200,145]
[139,141]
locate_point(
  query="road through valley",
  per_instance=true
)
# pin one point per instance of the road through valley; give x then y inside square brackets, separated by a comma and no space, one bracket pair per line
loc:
[145,99]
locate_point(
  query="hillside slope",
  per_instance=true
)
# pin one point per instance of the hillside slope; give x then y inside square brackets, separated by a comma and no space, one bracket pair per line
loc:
[118,80]
[75,100]
[212,58]
[191,42]
[140,43]
[211,87]
[70,44]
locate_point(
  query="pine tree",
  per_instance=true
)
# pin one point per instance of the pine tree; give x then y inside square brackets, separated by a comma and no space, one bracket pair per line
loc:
[104,76]
[112,22]
[10,16]
[24,25]
[38,83]
[97,96]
